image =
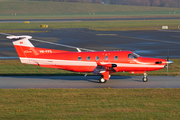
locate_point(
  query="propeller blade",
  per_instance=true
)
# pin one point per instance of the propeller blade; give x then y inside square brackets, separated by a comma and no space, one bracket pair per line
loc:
[167,69]
[168,55]
[167,66]
[167,61]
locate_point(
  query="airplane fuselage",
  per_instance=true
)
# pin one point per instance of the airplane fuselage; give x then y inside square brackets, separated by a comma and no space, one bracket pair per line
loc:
[87,61]
[98,62]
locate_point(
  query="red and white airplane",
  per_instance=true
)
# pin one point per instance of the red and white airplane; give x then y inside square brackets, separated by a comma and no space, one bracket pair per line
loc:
[101,63]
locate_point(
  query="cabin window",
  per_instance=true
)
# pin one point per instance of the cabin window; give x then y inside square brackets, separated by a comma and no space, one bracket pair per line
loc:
[88,58]
[97,58]
[116,57]
[79,58]
[106,57]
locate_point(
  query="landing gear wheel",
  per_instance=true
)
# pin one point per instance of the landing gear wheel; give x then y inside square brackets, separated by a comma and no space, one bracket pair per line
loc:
[102,80]
[145,79]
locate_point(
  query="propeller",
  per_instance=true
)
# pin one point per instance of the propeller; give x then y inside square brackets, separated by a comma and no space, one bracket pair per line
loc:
[168,62]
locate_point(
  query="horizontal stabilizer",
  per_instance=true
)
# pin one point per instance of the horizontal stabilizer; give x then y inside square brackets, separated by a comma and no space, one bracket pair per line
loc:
[19,37]
[21,40]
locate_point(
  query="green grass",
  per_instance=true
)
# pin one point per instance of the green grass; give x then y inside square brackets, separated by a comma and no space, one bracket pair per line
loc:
[14,67]
[107,103]
[50,10]
[20,31]
[99,25]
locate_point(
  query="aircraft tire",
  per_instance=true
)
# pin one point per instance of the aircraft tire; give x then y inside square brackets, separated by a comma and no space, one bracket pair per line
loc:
[145,79]
[102,80]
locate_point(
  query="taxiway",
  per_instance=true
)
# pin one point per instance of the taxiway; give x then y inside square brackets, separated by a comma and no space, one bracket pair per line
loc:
[153,43]
[24,82]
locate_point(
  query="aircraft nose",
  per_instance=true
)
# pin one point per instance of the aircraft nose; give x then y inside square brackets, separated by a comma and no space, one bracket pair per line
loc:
[169,62]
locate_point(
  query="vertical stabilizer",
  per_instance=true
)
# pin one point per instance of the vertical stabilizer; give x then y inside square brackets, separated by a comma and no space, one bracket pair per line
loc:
[24,47]
[26,50]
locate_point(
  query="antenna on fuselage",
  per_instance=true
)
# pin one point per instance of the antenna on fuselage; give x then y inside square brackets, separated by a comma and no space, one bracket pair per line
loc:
[78,50]
[63,45]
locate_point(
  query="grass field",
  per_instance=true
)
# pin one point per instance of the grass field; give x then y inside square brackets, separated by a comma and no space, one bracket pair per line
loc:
[99,25]
[107,103]
[50,10]
[14,67]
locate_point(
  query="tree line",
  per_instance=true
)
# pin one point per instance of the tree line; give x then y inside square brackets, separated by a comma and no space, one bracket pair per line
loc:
[157,3]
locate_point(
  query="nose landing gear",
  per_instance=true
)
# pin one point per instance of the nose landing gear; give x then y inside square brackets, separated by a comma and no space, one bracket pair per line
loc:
[145,79]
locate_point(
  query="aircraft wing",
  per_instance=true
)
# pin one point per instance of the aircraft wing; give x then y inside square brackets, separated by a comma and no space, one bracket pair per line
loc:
[104,69]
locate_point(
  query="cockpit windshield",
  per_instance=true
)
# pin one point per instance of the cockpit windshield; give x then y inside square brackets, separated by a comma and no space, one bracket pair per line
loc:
[133,56]
[136,55]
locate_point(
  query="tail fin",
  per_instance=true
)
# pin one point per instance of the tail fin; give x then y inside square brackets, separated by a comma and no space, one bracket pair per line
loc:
[22,45]
[25,49]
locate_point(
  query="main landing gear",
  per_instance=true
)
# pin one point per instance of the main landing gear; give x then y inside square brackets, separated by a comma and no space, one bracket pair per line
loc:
[145,79]
[102,80]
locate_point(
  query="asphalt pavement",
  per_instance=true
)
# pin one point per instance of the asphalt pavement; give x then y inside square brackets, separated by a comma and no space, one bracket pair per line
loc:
[16,82]
[152,43]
